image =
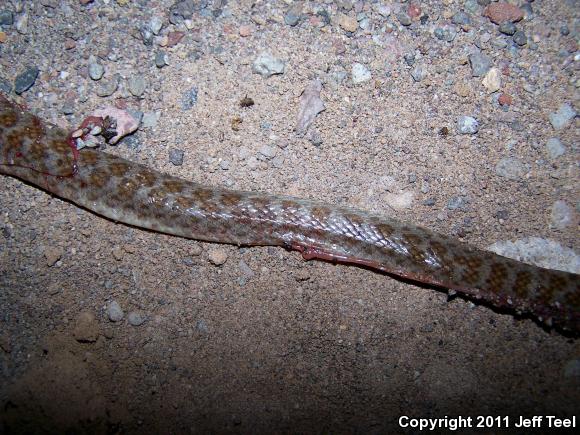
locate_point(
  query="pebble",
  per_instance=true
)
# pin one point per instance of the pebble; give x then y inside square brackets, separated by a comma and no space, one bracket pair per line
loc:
[189,99]
[404,18]
[86,328]
[150,119]
[511,168]
[562,117]
[457,203]
[562,215]
[6,18]
[564,30]
[501,12]
[467,125]
[293,15]
[400,201]
[418,73]
[25,80]
[480,64]
[96,70]
[383,10]
[267,65]
[115,312]
[137,85]
[520,38]
[505,99]
[347,23]
[446,33]
[268,152]
[471,6]
[461,18]
[507,28]
[155,24]
[108,87]
[201,326]
[52,254]
[176,156]
[217,256]
[245,31]
[555,148]
[360,73]
[160,59]
[135,318]
[492,80]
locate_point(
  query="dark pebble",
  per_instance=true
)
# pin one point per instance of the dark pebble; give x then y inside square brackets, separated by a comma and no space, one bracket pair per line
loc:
[324,16]
[564,30]
[520,38]
[176,156]
[507,28]
[6,18]
[25,80]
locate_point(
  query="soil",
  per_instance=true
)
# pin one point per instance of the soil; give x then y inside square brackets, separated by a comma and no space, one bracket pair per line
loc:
[222,339]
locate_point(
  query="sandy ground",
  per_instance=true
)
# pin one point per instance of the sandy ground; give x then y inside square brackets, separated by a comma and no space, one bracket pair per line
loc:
[267,342]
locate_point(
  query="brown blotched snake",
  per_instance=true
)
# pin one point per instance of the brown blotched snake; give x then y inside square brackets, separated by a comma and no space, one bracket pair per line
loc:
[45,156]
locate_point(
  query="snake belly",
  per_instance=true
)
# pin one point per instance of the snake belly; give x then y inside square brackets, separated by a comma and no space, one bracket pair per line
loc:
[43,155]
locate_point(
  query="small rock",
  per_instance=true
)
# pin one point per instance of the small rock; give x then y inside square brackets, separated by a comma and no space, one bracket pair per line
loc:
[461,18]
[492,80]
[25,80]
[108,87]
[22,24]
[347,23]
[150,119]
[414,10]
[446,33]
[564,30]
[480,64]
[404,18]
[268,152]
[174,38]
[201,326]
[86,328]
[96,70]
[115,312]
[245,31]
[155,24]
[555,148]
[562,215]
[507,28]
[467,125]
[52,254]
[501,12]
[267,65]
[400,201]
[137,85]
[383,10]
[418,73]
[293,15]
[505,99]
[511,168]
[457,202]
[6,18]
[176,156]
[160,59]
[360,73]
[520,38]
[135,318]
[217,256]
[563,116]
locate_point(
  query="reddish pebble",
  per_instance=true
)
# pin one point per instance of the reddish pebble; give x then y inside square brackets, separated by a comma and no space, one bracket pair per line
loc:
[414,11]
[173,38]
[339,47]
[314,21]
[245,31]
[69,44]
[3,37]
[228,29]
[505,100]
[501,12]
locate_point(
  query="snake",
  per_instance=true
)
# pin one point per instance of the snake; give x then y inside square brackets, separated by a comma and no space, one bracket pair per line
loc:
[45,156]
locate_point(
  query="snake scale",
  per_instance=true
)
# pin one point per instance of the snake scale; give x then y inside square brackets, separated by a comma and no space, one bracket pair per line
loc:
[45,156]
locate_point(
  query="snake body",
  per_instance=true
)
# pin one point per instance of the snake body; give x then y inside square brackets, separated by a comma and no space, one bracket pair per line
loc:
[43,155]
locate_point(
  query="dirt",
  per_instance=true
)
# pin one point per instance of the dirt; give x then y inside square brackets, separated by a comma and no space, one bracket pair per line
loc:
[258,340]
